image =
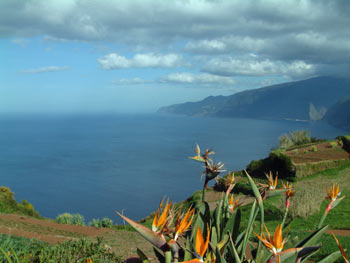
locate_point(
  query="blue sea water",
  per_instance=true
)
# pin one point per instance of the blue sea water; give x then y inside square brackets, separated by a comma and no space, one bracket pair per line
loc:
[95,164]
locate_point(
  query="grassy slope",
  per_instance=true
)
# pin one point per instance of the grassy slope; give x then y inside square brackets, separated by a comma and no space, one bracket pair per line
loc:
[299,226]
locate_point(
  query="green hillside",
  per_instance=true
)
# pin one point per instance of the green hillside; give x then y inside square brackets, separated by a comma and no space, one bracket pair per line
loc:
[303,100]
[339,114]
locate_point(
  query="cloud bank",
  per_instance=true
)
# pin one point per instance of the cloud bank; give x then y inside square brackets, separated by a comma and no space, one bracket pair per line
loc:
[115,61]
[293,38]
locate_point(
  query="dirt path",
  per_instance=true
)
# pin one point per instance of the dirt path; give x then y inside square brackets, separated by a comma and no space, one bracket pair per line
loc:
[123,243]
[339,232]
[45,230]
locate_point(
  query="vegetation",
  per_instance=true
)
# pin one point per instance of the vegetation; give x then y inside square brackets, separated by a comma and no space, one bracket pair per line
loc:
[289,101]
[22,250]
[276,162]
[236,229]
[8,204]
[72,219]
[339,115]
[104,222]
[174,241]
[294,139]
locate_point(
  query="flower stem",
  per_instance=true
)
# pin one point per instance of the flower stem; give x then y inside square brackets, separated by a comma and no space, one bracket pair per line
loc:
[285,216]
[204,189]
[168,256]
[322,220]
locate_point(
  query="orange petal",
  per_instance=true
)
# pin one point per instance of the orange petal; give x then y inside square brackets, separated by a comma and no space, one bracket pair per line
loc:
[278,237]
[199,241]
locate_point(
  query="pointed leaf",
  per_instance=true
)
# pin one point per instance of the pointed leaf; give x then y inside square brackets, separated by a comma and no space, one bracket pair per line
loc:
[275,192]
[213,236]
[202,217]
[223,243]
[336,202]
[264,254]
[187,254]
[235,254]
[159,256]
[230,224]
[219,257]
[197,158]
[307,252]
[152,237]
[313,238]
[331,258]
[142,256]
[236,226]
[218,218]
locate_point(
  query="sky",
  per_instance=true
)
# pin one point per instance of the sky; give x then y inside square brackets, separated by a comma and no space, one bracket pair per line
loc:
[111,56]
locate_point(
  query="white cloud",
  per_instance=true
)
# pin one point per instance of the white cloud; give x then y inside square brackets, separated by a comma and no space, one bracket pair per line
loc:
[209,46]
[203,78]
[45,69]
[249,67]
[315,32]
[133,81]
[149,60]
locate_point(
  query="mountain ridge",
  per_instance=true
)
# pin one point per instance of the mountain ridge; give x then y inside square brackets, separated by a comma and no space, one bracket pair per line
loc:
[298,100]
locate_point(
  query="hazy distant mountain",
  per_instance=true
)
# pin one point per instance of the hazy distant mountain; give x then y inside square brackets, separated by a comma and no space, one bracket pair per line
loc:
[339,114]
[207,107]
[304,100]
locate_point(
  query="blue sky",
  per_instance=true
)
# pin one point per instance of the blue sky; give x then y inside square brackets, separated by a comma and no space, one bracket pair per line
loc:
[137,55]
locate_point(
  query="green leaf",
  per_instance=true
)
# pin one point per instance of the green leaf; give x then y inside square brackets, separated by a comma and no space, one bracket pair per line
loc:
[261,207]
[336,202]
[6,256]
[252,216]
[229,227]
[235,254]
[159,256]
[275,192]
[218,218]
[235,231]
[219,257]
[265,255]
[313,238]
[202,218]
[152,237]
[198,159]
[187,254]
[142,256]
[214,236]
[331,258]
[307,252]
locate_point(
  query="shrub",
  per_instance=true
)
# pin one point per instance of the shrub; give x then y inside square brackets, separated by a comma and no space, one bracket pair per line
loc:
[300,137]
[67,218]
[333,144]
[104,222]
[346,142]
[285,141]
[8,204]
[294,139]
[306,201]
[314,148]
[277,162]
[29,208]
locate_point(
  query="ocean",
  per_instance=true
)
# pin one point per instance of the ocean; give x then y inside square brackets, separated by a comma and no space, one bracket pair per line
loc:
[94,164]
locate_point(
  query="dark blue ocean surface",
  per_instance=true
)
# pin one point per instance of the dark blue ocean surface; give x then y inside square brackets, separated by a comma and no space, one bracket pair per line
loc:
[95,164]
